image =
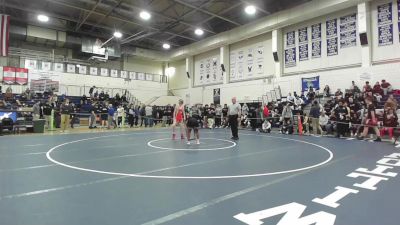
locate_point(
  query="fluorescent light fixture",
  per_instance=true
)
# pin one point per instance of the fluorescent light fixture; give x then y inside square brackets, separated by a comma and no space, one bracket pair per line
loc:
[166,46]
[199,32]
[43,18]
[250,9]
[145,15]
[117,34]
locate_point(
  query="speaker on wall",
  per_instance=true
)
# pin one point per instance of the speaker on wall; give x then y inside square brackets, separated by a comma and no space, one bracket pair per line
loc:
[363,39]
[276,59]
[188,75]
[222,67]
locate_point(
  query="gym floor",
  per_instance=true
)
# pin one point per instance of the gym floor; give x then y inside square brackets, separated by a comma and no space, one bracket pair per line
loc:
[143,177]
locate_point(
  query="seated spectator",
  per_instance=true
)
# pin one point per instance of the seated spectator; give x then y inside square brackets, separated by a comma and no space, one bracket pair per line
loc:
[290,98]
[354,88]
[386,87]
[339,93]
[287,127]
[367,87]
[298,102]
[327,91]
[391,103]
[102,96]
[390,121]
[266,127]
[377,89]
[323,121]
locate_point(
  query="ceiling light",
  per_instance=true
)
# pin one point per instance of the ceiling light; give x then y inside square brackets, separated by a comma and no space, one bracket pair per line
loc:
[166,46]
[145,15]
[43,18]
[199,32]
[117,34]
[250,9]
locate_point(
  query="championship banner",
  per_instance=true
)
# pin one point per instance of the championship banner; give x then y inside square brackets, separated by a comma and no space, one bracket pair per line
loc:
[21,76]
[303,44]
[82,70]
[71,68]
[313,82]
[93,71]
[217,96]
[114,73]
[8,75]
[46,66]
[104,72]
[348,31]
[316,35]
[149,77]
[30,64]
[124,74]
[385,24]
[331,37]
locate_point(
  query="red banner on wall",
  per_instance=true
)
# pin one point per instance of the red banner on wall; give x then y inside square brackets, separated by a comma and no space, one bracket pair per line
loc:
[9,75]
[21,76]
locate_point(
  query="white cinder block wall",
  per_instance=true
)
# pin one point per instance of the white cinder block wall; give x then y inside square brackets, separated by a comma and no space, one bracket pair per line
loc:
[335,71]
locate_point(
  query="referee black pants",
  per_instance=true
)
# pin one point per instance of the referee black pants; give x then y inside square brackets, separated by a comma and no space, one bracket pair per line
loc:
[233,122]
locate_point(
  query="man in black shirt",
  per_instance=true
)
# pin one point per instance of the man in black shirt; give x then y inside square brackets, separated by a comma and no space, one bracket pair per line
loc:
[225,115]
[342,116]
[47,108]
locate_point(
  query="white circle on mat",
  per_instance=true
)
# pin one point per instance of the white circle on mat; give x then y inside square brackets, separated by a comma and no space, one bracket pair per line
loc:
[48,155]
[152,144]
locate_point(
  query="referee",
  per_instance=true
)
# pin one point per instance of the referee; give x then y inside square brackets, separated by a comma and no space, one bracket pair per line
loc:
[234,112]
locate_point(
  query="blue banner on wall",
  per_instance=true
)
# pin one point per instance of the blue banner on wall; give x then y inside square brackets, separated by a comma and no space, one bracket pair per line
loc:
[331,28]
[316,32]
[385,24]
[303,52]
[290,57]
[290,39]
[303,35]
[316,49]
[332,46]
[313,82]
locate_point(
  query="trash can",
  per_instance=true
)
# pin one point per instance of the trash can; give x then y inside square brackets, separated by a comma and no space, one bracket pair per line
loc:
[38,126]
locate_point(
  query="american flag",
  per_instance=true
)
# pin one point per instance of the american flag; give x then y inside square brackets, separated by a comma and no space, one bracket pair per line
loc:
[4,34]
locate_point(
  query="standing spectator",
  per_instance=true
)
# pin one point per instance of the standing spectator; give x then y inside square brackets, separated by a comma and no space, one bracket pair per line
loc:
[110,117]
[287,113]
[218,116]
[386,87]
[234,113]
[211,116]
[245,109]
[315,114]
[102,96]
[390,121]
[65,110]
[225,115]
[342,115]
[47,114]
[36,111]
[91,90]
[131,116]
[142,115]
[371,121]
[92,119]
[290,98]
[120,115]
[148,120]
[354,88]
[103,115]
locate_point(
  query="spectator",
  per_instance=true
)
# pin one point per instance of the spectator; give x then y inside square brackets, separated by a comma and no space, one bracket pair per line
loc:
[211,116]
[65,110]
[290,98]
[287,112]
[367,87]
[91,90]
[377,89]
[218,116]
[110,117]
[354,88]
[386,87]
[92,119]
[391,103]
[120,115]
[245,109]
[323,121]
[342,116]
[315,114]
[102,96]
[36,111]
[339,94]
[148,121]
[390,121]
[266,127]
[103,115]
[327,91]
[371,121]
[47,114]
